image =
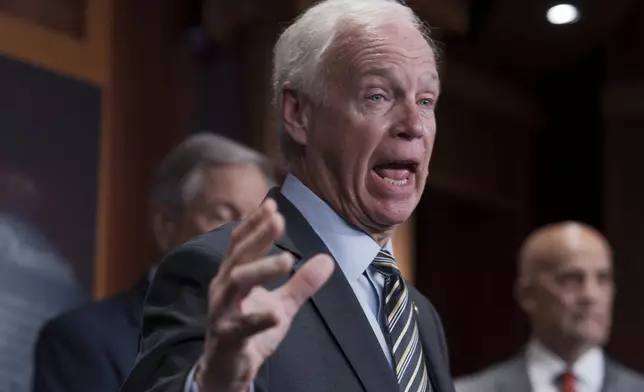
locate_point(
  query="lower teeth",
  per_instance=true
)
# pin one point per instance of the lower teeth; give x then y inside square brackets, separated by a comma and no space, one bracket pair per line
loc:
[395,182]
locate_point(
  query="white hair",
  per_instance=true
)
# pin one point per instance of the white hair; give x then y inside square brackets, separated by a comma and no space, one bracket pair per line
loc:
[299,53]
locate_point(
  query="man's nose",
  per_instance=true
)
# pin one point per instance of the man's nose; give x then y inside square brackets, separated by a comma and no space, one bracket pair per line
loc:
[592,290]
[410,125]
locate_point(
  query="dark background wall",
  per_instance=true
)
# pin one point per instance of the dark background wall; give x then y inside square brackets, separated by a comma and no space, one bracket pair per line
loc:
[537,124]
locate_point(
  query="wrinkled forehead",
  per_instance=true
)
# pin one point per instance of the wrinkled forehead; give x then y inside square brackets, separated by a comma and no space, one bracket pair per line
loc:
[357,50]
[587,256]
[563,244]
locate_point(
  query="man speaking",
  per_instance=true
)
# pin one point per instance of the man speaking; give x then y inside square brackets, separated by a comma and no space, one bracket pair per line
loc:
[304,295]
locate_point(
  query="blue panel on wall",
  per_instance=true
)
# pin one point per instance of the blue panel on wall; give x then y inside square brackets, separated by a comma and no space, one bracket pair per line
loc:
[49,154]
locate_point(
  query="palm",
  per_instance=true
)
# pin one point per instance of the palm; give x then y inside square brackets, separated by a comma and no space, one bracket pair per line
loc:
[263,344]
[248,322]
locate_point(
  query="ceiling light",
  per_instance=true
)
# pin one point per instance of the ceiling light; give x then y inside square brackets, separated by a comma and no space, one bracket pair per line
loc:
[563,14]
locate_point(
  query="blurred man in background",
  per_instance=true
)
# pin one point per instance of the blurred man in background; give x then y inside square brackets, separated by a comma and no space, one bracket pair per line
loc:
[205,182]
[566,288]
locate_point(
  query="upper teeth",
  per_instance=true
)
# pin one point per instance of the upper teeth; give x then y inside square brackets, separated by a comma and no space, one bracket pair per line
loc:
[395,182]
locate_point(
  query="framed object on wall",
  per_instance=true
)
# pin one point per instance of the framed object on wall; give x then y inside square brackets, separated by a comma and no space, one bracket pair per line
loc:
[49,155]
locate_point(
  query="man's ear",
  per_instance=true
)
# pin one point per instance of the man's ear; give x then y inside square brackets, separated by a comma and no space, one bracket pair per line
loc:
[523,292]
[296,112]
[164,226]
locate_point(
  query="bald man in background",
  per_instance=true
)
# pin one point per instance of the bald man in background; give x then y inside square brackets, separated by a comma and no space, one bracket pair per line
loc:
[566,288]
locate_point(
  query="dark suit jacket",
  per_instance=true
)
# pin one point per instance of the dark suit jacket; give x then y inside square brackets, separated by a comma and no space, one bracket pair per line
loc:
[330,346]
[512,376]
[92,348]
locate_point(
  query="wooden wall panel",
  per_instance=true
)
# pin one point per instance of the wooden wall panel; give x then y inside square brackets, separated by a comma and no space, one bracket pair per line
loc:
[53,51]
[404,243]
[63,16]
[84,58]
[148,110]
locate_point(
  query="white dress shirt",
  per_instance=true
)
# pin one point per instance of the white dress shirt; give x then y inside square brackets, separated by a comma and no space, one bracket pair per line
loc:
[545,369]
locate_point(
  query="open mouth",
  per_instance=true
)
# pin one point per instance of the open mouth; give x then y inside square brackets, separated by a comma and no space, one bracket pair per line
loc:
[396,173]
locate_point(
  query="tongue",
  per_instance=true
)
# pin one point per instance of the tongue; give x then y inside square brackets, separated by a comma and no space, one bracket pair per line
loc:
[394,173]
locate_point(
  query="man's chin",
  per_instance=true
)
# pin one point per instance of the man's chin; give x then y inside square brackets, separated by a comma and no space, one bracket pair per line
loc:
[392,214]
[592,335]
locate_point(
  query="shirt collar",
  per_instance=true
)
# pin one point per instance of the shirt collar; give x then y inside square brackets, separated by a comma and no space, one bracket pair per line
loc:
[546,366]
[352,249]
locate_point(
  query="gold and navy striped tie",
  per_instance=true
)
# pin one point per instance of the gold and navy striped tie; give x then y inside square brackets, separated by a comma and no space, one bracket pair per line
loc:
[406,349]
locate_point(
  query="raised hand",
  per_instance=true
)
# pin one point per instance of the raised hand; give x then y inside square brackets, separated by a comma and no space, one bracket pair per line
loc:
[246,321]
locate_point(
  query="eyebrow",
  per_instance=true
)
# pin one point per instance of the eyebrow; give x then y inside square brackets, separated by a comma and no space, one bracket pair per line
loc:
[379,71]
[388,72]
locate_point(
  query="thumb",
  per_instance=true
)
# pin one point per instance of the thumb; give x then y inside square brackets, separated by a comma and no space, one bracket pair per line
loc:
[306,282]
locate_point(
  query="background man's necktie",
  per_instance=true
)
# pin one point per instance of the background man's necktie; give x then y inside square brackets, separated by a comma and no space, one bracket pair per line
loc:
[568,381]
[406,349]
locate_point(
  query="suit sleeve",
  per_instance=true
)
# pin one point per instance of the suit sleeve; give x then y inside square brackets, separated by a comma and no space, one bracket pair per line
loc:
[67,359]
[174,321]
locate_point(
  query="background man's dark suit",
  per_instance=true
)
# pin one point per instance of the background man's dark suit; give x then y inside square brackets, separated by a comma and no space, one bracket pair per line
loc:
[330,346]
[69,359]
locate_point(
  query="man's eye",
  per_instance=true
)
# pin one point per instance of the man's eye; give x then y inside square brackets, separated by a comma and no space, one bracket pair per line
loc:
[426,102]
[570,279]
[219,213]
[376,98]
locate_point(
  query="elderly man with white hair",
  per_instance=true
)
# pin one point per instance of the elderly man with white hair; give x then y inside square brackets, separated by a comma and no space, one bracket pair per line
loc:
[305,294]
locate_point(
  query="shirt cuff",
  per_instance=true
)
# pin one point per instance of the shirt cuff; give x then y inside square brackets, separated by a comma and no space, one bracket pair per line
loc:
[192,386]
[191,383]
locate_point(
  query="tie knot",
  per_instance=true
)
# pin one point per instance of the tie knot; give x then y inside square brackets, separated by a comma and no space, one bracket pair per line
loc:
[385,263]
[568,381]
[569,373]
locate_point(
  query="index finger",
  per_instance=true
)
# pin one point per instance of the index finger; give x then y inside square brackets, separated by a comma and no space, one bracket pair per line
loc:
[306,282]
[252,222]
[254,237]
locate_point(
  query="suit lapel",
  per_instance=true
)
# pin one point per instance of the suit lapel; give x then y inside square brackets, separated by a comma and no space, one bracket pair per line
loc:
[436,367]
[337,304]
[611,380]
[515,377]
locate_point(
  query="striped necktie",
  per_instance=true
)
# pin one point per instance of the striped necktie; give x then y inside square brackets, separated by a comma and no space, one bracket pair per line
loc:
[404,342]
